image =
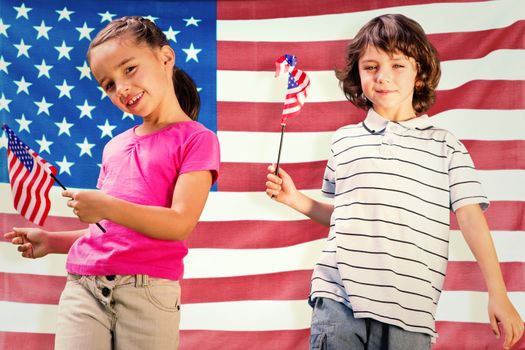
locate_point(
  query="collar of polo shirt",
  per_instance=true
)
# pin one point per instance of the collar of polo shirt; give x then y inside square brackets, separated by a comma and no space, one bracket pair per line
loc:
[375,123]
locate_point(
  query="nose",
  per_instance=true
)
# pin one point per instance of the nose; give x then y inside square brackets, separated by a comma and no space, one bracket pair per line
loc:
[383,76]
[122,89]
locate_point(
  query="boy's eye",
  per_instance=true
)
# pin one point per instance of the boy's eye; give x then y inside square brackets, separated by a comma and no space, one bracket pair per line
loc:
[108,86]
[130,69]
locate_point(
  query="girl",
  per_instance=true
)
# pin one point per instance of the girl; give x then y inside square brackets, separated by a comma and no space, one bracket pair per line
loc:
[394,178]
[123,285]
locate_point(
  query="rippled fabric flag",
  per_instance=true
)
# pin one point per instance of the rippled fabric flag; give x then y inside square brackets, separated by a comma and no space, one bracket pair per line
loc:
[31,178]
[298,83]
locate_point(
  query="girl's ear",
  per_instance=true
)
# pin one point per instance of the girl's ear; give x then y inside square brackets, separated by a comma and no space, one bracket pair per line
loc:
[167,56]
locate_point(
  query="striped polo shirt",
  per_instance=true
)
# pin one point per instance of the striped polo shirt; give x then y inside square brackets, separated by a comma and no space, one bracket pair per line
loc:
[393,184]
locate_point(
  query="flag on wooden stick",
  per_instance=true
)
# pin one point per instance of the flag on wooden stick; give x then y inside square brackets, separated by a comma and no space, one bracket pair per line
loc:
[298,83]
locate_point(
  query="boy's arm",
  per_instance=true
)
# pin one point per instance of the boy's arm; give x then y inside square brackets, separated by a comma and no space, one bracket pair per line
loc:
[317,211]
[282,189]
[475,230]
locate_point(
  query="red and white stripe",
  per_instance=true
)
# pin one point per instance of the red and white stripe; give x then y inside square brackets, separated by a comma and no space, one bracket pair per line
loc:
[249,266]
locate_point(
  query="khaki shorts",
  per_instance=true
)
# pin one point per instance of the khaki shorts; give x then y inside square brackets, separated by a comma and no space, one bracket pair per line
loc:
[118,312]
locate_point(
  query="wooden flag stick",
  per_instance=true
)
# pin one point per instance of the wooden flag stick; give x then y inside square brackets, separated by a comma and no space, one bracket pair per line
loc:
[280,148]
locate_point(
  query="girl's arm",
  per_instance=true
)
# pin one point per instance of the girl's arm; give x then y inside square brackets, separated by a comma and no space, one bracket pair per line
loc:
[174,223]
[36,243]
[474,227]
[282,189]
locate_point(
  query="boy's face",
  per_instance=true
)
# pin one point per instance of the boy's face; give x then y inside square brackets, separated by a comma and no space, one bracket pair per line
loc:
[388,82]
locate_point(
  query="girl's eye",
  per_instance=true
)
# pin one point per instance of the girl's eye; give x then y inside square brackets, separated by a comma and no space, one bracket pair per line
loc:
[370,68]
[130,69]
[109,86]
[398,66]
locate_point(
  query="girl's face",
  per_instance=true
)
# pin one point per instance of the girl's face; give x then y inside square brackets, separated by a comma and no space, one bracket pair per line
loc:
[135,77]
[388,82]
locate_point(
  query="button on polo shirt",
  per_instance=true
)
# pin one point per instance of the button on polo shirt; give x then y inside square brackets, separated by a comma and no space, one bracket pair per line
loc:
[393,184]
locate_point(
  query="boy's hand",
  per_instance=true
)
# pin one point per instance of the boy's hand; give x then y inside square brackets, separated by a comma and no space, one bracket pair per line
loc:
[501,310]
[32,242]
[280,187]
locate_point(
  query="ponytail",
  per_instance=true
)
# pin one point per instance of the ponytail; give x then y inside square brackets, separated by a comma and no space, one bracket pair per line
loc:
[186,92]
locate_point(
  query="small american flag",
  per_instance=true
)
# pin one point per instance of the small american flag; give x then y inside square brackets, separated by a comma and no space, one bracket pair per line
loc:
[298,83]
[31,178]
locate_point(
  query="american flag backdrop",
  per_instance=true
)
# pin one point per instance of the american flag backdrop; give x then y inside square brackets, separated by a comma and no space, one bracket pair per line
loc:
[248,271]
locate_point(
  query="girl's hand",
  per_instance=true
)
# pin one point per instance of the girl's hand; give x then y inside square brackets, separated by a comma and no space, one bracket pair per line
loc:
[90,206]
[501,310]
[280,187]
[32,242]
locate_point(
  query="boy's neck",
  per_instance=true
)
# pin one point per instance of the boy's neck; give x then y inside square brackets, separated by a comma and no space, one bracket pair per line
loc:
[396,115]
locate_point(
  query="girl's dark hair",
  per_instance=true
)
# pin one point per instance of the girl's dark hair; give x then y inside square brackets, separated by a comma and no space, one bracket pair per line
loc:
[144,31]
[393,33]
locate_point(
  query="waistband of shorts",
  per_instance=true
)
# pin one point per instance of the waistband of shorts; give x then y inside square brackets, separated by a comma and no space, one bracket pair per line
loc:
[138,280]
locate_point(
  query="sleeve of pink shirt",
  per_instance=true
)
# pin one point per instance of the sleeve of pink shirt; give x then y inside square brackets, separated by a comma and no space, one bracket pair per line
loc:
[101,177]
[201,152]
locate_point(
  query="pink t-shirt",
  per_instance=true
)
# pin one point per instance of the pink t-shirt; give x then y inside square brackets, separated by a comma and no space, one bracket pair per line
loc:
[143,170]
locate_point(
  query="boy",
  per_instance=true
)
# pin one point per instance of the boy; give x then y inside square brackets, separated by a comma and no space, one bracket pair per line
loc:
[394,178]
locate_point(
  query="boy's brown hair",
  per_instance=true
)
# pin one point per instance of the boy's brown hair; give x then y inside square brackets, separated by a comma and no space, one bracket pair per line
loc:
[393,33]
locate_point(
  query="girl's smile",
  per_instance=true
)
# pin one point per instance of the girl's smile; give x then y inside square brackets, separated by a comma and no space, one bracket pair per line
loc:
[133,101]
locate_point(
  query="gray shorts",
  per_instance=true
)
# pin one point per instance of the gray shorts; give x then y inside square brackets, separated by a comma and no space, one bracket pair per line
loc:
[118,312]
[335,328]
